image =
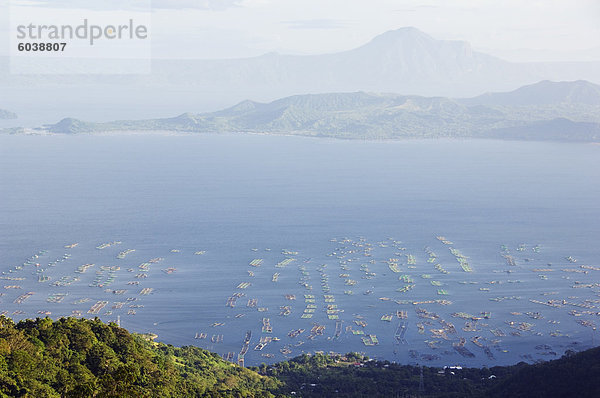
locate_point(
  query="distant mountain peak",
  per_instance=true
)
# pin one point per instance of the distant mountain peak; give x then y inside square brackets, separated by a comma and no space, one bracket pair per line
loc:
[68,122]
[406,55]
[68,125]
[405,35]
[242,107]
[401,33]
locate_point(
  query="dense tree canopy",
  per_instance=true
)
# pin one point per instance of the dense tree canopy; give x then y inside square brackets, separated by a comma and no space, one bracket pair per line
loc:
[82,358]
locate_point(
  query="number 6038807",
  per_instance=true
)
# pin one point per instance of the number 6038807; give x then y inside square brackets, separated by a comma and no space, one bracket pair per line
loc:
[41,46]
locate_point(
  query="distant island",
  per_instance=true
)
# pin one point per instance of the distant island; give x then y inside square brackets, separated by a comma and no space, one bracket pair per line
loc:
[557,111]
[4,114]
[87,358]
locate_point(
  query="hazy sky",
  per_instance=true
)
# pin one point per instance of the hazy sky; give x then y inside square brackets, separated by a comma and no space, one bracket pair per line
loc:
[556,29]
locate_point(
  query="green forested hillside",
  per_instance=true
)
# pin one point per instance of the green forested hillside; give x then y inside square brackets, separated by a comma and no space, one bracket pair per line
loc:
[87,358]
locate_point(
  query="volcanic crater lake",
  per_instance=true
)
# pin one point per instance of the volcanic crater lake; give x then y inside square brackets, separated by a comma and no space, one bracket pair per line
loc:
[471,252]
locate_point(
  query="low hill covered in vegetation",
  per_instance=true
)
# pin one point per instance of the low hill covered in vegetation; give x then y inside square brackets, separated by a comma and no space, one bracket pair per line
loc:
[87,358]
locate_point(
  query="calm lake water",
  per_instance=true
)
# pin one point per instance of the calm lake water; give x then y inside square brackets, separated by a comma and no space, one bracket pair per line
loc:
[343,212]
